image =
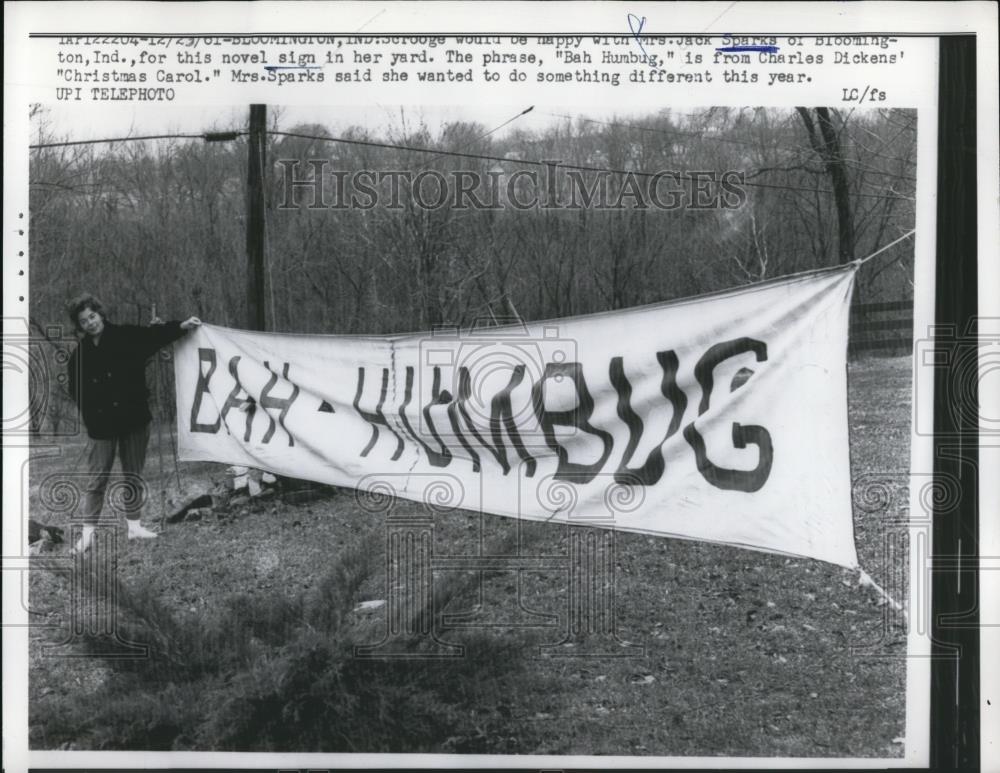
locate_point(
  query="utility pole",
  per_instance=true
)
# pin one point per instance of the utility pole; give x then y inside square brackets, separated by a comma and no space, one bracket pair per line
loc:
[255,217]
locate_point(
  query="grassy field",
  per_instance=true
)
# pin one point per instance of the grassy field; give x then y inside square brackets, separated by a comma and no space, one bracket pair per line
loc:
[252,618]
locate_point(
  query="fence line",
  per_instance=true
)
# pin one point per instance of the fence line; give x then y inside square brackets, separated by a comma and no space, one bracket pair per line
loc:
[886,326]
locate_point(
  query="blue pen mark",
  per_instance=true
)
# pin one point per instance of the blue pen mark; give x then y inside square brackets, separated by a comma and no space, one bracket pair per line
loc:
[747,49]
[273,67]
[636,24]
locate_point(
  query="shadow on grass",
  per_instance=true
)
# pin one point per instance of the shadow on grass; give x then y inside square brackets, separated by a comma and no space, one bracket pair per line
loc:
[278,673]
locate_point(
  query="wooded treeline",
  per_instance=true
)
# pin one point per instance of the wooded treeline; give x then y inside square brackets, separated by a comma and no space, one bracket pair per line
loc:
[163,221]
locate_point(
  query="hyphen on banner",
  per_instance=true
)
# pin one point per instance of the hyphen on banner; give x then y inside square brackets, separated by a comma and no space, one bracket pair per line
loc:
[720,418]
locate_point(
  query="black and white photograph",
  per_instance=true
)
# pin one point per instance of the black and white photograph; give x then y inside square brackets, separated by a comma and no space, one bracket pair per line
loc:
[371,418]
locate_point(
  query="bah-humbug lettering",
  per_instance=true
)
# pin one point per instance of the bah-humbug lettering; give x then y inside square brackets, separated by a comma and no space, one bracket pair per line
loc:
[453,432]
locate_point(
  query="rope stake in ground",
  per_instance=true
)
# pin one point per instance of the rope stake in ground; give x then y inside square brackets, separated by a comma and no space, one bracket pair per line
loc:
[865,580]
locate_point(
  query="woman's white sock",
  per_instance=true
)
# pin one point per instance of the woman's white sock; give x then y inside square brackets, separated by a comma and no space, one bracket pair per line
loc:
[86,537]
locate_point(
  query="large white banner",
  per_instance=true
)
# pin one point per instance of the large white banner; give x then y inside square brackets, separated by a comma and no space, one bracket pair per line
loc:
[720,418]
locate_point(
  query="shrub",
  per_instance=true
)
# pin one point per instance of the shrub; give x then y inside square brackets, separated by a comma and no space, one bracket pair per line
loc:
[279,673]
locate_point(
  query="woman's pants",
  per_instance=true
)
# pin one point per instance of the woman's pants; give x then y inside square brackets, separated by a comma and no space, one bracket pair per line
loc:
[127,493]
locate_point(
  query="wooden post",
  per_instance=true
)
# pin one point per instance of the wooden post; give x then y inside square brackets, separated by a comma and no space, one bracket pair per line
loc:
[255,218]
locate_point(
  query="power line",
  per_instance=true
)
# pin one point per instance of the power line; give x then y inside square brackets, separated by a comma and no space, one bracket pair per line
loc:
[575,167]
[486,134]
[211,137]
[207,136]
[505,123]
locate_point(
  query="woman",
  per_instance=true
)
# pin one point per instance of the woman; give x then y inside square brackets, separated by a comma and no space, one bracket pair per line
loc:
[107,376]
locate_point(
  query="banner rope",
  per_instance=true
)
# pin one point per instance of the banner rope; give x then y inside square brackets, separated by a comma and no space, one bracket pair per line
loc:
[861,261]
[865,579]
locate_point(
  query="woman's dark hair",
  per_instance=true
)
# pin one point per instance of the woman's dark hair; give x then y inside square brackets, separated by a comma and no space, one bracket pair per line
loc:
[80,303]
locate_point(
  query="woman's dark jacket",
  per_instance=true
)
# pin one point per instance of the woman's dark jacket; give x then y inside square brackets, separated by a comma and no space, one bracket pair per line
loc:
[109,380]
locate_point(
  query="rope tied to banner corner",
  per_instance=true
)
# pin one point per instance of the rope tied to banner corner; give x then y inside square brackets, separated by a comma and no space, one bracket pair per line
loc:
[861,261]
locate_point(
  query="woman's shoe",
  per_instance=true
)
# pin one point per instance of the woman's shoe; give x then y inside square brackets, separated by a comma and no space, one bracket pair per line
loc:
[137,531]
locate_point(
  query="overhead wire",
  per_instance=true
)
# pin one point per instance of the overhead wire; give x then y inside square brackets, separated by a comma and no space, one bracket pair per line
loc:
[203,136]
[484,135]
[575,167]
[473,156]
